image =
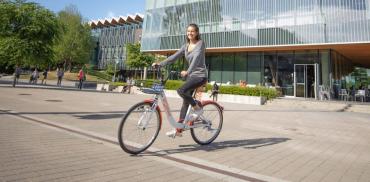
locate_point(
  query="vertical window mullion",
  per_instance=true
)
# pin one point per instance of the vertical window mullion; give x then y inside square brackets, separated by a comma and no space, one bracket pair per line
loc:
[351,25]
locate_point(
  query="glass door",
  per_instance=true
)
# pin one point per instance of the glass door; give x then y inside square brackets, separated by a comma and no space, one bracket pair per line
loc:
[305,84]
[299,80]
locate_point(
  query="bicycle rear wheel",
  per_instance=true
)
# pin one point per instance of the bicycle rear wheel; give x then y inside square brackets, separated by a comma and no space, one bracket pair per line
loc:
[139,128]
[212,119]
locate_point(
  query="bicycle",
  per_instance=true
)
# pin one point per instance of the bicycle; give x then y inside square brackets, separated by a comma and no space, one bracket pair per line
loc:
[140,127]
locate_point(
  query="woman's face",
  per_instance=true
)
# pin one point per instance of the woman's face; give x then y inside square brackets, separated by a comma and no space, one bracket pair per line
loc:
[191,33]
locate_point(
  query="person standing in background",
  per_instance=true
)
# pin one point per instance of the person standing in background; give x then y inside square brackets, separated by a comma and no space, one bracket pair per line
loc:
[45,76]
[35,76]
[17,74]
[60,74]
[81,78]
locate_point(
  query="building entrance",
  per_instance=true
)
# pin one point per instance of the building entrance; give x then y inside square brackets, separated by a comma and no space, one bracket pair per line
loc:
[305,80]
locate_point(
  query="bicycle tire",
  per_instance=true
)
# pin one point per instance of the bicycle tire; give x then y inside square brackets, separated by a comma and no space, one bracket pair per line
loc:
[126,139]
[213,113]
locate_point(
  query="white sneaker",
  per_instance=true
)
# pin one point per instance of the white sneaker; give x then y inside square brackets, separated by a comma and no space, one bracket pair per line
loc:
[173,133]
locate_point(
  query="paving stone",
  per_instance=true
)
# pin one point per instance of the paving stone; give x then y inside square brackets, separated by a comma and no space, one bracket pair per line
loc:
[320,143]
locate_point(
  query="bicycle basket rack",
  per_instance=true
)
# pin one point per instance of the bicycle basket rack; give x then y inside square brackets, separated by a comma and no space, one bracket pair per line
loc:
[156,89]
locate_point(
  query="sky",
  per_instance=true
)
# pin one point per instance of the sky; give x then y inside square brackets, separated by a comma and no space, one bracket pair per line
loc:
[97,9]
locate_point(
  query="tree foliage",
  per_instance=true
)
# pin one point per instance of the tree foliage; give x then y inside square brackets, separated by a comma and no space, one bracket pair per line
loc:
[137,59]
[360,77]
[27,31]
[75,43]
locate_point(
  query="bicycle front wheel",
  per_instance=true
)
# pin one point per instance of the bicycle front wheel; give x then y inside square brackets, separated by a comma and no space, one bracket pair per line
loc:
[211,121]
[139,128]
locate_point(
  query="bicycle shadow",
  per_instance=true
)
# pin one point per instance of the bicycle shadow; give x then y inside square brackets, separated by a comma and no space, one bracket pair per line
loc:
[99,116]
[246,144]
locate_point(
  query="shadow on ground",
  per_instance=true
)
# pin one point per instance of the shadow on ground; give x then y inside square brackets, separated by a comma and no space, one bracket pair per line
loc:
[246,144]
[99,116]
[79,115]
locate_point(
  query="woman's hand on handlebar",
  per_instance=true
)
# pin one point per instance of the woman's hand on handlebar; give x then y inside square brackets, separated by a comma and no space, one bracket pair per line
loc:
[184,74]
[156,65]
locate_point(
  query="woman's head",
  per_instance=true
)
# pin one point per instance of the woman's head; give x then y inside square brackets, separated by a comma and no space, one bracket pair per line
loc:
[192,32]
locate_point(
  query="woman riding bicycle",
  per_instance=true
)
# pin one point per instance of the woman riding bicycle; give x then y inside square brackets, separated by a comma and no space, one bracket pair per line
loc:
[196,74]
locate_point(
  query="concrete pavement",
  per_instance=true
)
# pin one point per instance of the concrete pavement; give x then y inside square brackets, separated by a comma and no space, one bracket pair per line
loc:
[283,140]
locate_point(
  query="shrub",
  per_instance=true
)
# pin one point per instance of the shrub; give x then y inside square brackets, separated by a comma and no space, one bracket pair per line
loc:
[99,74]
[269,93]
[173,84]
[116,84]
[146,83]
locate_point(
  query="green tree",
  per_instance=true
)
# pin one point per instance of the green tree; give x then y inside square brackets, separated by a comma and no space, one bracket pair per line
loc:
[360,77]
[137,59]
[74,47]
[27,32]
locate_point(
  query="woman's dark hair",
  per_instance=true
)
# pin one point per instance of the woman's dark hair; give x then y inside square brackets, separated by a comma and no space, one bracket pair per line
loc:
[195,26]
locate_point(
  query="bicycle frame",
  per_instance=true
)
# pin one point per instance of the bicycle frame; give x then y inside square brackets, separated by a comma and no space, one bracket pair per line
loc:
[184,125]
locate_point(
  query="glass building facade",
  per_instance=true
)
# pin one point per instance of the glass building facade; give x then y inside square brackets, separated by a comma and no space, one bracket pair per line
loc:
[239,23]
[280,43]
[111,37]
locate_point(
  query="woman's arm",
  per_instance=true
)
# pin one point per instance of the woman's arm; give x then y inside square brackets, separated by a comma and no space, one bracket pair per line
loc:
[174,57]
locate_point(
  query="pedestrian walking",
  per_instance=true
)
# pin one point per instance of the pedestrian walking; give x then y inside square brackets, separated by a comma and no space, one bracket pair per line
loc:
[35,76]
[214,92]
[60,74]
[17,74]
[81,78]
[44,76]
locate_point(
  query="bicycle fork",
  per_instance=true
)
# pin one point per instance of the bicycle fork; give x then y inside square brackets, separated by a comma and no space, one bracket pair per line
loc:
[145,117]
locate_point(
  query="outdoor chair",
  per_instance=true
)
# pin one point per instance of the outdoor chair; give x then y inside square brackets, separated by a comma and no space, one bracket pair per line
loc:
[361,94]
[343,94]
[324,93]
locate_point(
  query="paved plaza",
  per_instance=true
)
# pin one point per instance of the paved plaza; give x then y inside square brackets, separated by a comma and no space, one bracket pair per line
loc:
[71,135]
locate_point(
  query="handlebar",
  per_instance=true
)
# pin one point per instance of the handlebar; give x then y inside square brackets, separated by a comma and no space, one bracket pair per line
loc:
[162,79]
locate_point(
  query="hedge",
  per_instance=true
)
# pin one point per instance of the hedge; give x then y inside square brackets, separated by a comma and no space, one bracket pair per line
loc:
[269,93]
[100,74]
[116,84]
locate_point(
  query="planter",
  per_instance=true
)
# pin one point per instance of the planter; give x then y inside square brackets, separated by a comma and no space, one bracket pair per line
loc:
[100,86]
[104,87]
[118,89]
[86,84]
[108,87]
[242,99]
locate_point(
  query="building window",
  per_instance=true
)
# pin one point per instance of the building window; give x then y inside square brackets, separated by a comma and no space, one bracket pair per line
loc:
[254,69]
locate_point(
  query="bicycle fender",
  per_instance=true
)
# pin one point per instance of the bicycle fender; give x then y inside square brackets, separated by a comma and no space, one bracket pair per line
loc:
[204,102]
[151,101]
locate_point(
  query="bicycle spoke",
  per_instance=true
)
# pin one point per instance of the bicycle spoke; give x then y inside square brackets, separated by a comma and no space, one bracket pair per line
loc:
[139,128]
[210,126]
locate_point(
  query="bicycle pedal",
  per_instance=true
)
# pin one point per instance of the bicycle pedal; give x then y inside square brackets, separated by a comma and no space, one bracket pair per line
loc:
[174,133]
[190,123]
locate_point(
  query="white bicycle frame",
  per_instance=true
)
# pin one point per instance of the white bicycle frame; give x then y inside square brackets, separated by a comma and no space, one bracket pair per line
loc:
[172,121]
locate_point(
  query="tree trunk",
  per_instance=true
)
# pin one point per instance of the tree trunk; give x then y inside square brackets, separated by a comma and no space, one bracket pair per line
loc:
[141,74]
[145,73]
[65,64]
[153,74]
[70,66]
